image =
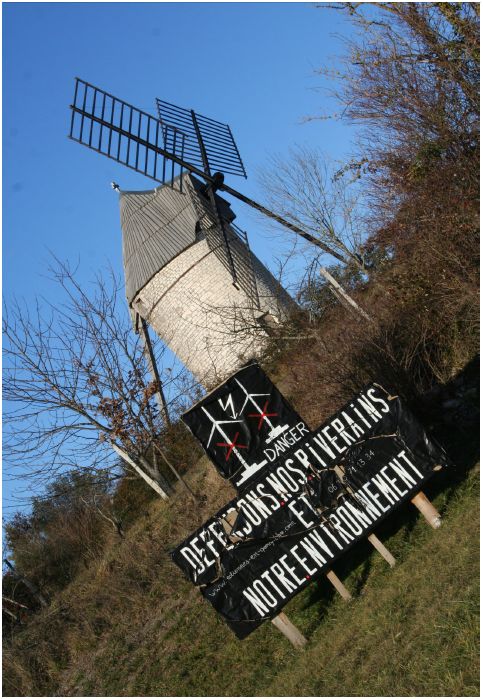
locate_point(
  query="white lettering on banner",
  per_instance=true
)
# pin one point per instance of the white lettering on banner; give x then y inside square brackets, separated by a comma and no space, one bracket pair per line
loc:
[340,428]
[291,569]
[284,486]
[363,518]
[316,556]
[279,572]
[375,399]
[260,505]
[344,534]
[353,525]
[356,430]
[285,442]
[402,454]
[299,514]
[302,561]
[376,497]
[316,537]
[356,520]
[369,408]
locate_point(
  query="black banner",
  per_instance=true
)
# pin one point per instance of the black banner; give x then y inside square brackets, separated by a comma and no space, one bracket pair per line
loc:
[319,497]
[244,425]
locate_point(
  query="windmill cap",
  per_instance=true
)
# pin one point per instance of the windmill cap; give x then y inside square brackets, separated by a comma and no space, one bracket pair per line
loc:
[157,225]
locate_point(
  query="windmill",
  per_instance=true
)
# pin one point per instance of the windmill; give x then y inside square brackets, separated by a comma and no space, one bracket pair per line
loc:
[189,271]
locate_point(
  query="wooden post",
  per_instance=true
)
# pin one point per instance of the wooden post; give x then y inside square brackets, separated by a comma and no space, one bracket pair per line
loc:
[281,621]
[28,583]
[339,585]
[427,509]
[155,473]
[153,369]
[12,601]
[283,624]
[379,546]
[339,292]
[372,538]
[125,456]
[7,611]
[174,470]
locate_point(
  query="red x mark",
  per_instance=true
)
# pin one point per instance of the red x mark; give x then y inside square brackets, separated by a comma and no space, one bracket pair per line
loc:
[231,446]
[263,415]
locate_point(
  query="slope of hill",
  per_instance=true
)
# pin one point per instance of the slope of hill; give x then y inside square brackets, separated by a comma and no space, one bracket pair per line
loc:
[131,625]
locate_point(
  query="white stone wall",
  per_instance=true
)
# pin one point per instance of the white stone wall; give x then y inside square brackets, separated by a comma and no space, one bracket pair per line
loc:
[209,324]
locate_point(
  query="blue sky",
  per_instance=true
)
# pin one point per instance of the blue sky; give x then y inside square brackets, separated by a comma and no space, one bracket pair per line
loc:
[251,65]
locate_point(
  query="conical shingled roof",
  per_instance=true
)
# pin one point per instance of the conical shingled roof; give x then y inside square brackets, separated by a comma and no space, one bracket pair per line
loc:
[157,225]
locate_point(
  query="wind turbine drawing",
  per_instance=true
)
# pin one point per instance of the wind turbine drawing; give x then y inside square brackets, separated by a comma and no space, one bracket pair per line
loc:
[237,421]
[275,431]
[231,445]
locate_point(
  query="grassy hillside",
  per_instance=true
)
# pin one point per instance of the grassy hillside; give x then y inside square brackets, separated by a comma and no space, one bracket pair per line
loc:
[131,625]
[401,214]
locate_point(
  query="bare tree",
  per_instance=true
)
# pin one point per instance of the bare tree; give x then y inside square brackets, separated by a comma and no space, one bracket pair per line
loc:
[105,509]
[320,198]
[77,386]
[414,72]
[410,78]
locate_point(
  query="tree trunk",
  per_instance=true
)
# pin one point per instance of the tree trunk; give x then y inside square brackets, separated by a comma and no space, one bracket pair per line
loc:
[28,584]
[150,481]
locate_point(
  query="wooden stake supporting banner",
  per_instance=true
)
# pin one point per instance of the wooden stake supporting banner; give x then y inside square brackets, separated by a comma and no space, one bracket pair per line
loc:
[377,543]
[339,585]
[379,546]
[283,624]
[427,509]
[281,621]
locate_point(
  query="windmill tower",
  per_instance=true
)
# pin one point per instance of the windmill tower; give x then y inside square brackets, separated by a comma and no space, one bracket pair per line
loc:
[179,279]
[189,271]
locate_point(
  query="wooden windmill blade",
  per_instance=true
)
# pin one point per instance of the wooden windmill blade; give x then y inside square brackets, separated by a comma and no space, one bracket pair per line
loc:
[209,143]
[163,149]
[114,128]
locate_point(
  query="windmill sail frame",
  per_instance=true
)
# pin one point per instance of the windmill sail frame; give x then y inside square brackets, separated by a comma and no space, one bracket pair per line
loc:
[114,128]
[208,143]
[170,155]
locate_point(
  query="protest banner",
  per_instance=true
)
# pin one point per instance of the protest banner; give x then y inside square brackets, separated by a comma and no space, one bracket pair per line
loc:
[316,494]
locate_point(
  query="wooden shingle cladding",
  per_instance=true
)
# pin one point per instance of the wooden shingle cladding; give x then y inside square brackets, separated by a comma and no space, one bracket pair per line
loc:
[157,225]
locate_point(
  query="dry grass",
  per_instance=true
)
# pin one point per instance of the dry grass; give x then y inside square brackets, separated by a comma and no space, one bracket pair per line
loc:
[131,625]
